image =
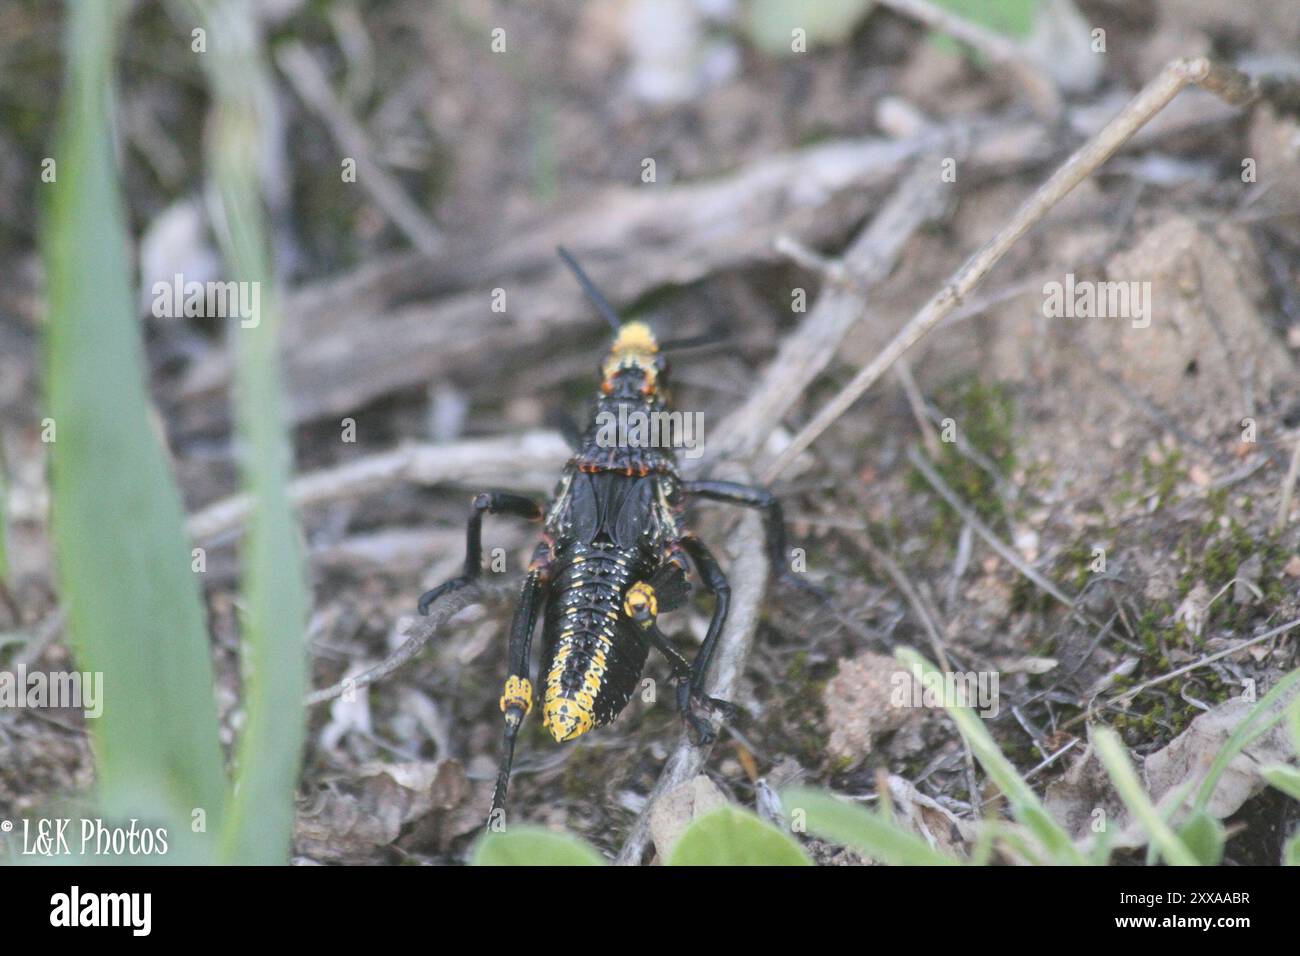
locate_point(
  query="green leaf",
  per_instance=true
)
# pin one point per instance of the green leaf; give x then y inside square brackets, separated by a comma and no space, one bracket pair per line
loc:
[132,602]
[533,846]
[1203,834]
[1285,777]
[770,23]
[729,836]
[1026,806]
[1291,854]
[1013,18]
[1115,759]
[260,827]
[863,830]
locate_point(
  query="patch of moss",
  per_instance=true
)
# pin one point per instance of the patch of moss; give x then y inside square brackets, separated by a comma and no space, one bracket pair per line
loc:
[1075,566]
[1029,598]
[1163,477]
[1225,551]
[799,719]
[984,415]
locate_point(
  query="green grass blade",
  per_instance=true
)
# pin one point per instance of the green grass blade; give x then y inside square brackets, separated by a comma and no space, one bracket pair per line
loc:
[1295,725]
[1170,806]
[1115,759]
[1284,778]
[863,830]
[1025,804]
[4,522]
[1261,719]
[132,602]
[260,826]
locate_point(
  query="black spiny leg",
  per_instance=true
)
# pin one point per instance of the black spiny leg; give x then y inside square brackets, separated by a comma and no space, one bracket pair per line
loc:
[497,502]
[517,695]
[687,691]
[642,604]
[773,520]
[715,582]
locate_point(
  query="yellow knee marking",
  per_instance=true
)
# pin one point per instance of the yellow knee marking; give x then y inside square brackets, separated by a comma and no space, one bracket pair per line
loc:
[518,693]
[640,599]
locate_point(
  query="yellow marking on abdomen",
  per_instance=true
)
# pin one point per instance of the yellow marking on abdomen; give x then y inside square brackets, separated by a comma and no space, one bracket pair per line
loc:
[571,715]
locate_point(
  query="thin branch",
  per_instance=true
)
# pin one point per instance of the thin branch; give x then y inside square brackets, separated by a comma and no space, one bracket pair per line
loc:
[806,353]
[421,630]
[929,619]
[1288,488]
[1201,662]
[309,79]
[834,272]
[524,462]
[1004,551]
[1132,692]
[1228,84]
[904,584]
[431,310]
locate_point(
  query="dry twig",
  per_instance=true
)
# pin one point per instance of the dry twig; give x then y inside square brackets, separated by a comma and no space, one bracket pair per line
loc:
[1288,488]
[1004,551]
[525,462]
[421,630]
[1223,81]
[309,79]
[805,354]
[431,311]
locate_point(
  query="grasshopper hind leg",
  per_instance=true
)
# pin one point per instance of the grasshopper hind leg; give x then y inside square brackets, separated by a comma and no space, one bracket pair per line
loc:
[517,694]
[645,601]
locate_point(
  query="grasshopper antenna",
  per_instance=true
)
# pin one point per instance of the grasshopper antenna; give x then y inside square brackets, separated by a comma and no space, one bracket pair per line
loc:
[589,287]
[694,342]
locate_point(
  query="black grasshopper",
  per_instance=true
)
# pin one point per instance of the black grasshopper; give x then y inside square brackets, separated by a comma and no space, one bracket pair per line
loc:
[613,556]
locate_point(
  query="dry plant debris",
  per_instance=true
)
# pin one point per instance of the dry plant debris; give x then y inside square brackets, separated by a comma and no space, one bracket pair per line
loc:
[1171,449]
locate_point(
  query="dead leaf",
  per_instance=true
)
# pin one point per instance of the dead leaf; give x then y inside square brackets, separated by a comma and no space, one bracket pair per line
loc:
[929,819]
[675,811]
[351,824]
[1181,766]
[1193,609]
[1245,589]
[1190,754]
